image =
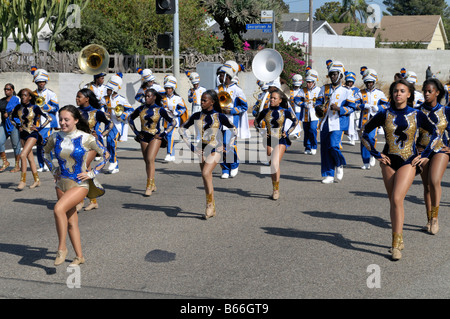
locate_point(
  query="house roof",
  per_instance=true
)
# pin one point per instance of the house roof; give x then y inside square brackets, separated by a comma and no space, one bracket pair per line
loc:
[339,27]
[419,28]
[292,26]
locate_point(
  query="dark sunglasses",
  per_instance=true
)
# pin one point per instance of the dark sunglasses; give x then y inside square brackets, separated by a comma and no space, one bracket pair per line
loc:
[7,89]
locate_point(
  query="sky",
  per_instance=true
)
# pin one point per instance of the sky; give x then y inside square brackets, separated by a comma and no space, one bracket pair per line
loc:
[303,5]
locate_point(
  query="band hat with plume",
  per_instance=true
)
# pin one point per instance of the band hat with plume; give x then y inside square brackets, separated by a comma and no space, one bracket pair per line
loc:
[276,83]
[115,82]
[297,80]
[96,76]
[146,75]
[370,75]
[263,85]
[411,77]
[312,75]
[194,77]
[335,66]
[350,76]
[231,68]
[170,82]
[39,75]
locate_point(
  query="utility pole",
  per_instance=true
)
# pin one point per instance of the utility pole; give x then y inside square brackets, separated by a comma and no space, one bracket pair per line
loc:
[310,32]
[176,43]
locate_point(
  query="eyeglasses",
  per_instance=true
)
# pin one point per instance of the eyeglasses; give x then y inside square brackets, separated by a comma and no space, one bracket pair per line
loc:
[7,89]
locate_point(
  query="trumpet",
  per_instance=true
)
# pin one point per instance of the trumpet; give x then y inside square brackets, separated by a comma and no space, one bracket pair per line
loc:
[224,99]
[93,59]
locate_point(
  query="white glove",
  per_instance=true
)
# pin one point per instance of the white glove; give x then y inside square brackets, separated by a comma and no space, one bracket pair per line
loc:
[374,108]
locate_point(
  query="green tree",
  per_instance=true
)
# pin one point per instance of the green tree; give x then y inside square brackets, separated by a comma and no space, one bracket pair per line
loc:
[132,26]
[24,19]
[357,29]
[353,11]
[415,7]
[233,15]
[330,11]
[8,20]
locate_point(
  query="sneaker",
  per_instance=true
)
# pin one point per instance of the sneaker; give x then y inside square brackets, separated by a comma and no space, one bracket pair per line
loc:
[97,158]
[328,180]
[313,152]
[372,161]
[46,169]
[167,158]
[112,166]
[339,172]
[351,142]
[234,172]
[307,152]
[225,176]
[365,166]
[114,171]
[40,169]
[172,158]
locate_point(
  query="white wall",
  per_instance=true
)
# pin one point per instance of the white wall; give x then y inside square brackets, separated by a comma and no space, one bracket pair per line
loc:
[328,40]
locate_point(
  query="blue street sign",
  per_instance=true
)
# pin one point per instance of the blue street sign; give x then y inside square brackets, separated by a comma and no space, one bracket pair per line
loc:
[265,27]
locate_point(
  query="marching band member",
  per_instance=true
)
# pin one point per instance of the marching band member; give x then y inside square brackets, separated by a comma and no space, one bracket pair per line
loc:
[308,117]
[71,146]
[277,140]
[369,101]
[152,135]
[97,86]
[51,106]
[89,107]
[434,169]
[148,82]
[175,106]
[411,77]
[263,97]
[352,133]
[336,104]
[26,117]
[195,93]
[236,112]
[110,102]
[297,81]
[210,122]
[399,160]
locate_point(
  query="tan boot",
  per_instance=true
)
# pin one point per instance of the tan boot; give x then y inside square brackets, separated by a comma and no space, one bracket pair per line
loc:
[151,187]
[5,162]
[23,181]
[92,205]
[276,190]
[434,224]
[17,166]
[37,181]
[397,246]
[210,207]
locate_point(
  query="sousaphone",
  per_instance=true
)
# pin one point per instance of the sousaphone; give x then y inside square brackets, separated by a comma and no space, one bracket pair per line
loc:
[93,59]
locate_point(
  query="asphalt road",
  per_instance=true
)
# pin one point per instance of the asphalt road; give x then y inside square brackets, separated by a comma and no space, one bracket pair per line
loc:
[317,241]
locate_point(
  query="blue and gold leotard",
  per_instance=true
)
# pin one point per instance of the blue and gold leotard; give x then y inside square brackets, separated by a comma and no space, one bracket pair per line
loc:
[439,115]
[151,122]
[275,119]
[401,127]
[71,151]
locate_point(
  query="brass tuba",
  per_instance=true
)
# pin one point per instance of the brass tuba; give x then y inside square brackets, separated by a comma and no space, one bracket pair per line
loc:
[118,110]
[93,59]
[224,99]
